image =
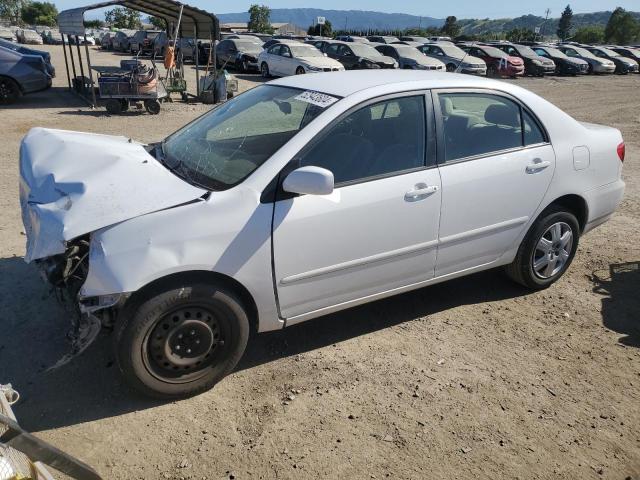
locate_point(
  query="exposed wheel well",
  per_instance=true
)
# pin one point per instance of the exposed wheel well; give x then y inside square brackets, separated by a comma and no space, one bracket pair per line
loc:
[14,81]
[205,277]
[576,205]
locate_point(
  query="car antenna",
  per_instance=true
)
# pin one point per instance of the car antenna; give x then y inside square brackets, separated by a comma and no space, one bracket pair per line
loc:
[466,54]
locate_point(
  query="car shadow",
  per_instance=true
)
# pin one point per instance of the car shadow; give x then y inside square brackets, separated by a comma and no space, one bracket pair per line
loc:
[619,287]
[54,97]
[90,386]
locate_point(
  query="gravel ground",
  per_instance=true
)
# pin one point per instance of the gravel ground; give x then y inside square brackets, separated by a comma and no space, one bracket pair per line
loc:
[475,378]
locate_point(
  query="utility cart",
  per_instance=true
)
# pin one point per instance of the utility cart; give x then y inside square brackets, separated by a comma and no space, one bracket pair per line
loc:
[132,82]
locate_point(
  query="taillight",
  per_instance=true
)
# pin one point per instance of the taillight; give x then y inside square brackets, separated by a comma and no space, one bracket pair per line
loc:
[621,151]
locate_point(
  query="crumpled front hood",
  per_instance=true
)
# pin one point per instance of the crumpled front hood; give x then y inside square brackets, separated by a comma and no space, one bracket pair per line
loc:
[73,183]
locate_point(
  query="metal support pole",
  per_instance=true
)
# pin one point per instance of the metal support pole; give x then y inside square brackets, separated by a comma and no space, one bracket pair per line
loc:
[195,39]
[66,62]
[80,62]
[73,64]
[93,86]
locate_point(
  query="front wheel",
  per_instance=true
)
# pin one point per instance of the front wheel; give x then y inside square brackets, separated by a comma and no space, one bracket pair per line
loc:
[300,71]
[9,91]
[182,339]
[264,70]
[451,68]
[547,250]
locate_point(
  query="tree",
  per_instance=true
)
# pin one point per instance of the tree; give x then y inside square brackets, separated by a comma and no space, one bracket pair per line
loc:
[521,34]
[93,24]
[621,28]
[259,21]
[325,31]
[590,35]
[158,23]
[564,24]
[12,10]
[40,13]
[451,27]
[123,18]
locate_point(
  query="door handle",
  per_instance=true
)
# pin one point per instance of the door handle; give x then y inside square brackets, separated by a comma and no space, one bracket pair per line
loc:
[420,192]
[537,166]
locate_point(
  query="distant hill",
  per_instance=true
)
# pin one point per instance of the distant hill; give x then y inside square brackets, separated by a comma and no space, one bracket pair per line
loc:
[354,19]
[480,26]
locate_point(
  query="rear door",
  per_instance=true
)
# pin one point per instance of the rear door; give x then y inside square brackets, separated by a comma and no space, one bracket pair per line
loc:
[496,165]
[377,232]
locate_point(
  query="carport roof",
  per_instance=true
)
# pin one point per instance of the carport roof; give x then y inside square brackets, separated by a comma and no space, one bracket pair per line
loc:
[204,24]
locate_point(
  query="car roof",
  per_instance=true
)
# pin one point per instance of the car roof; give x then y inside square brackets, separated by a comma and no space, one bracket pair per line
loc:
[343,84]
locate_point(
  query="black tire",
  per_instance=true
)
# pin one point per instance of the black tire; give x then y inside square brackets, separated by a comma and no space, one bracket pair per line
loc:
[264,70]
[590,69]
[125,104]
[156,332]
[522,270]
[492,71]
[451,67]
[152,106]
[300,71]
[114,106]
[239,66]
[9,91]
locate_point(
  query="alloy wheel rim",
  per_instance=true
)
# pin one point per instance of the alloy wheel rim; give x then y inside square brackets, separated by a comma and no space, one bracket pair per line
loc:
[552,251]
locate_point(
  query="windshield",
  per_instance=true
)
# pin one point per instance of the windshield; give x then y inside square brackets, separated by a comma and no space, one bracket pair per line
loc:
[583,52]
[554,52]
[305,51]
[452,51]
[494,52]
[362,50]
[223,147]
[526,51]
[609,53]
[410,52]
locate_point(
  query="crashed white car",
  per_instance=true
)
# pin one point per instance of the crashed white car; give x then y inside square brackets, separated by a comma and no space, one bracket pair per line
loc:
[305,196]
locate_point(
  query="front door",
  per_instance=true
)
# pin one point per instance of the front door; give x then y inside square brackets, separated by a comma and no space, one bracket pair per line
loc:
[378,230]
[496,165]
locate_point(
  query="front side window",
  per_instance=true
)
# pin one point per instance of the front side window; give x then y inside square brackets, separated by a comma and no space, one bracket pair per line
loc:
[275,50]
[480,124]
[380,139]
[223,147]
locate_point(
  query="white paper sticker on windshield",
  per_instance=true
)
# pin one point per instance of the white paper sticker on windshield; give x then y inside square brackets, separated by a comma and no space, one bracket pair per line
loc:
[316,98]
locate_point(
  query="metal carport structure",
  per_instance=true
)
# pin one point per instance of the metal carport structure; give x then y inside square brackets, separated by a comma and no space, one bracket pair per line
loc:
[193,21]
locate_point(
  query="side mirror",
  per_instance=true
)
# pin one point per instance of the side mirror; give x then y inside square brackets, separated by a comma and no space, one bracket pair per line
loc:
[309,181]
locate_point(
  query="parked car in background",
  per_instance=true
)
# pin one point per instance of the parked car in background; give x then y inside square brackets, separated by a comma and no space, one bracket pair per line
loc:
[186,47]
[46,56]
[455,59]
[7,34]
[295,58]
[270,42]
[499,63]
[624,65]
[382,39]
[204,51]
[628,52]
[241,54]
[142,42]
[52,37]
[534,64]
[106,41]
[120,42]
[565,65]
[596,64]
[29,37]
[414,39]
[410,58]
[358,56]
[236,203]
[352,38]
[21,74]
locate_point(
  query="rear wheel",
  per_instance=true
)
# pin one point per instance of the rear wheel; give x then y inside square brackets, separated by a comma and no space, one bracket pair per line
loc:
[9,91]
[114,106]
[182,339]
[451,67]
[300,71]
[124,104]
[547,250]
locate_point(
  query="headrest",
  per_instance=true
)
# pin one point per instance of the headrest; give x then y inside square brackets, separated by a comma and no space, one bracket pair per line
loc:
[447,106]
[502,115]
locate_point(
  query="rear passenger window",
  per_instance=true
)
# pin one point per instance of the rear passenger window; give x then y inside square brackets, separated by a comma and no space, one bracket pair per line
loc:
[380,139]
[480,124]
[532,132]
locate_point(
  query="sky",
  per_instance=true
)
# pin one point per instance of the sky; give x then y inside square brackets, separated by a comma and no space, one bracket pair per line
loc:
[430,8]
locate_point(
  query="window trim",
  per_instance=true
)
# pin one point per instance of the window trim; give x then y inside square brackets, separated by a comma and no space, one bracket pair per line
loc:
[484,91]
[430,149]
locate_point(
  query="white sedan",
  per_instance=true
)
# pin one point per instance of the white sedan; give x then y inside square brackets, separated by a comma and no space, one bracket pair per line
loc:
[295,58]
[305,196]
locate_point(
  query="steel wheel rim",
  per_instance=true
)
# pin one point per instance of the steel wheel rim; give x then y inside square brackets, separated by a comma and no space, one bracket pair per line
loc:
[184,344]
[552,251]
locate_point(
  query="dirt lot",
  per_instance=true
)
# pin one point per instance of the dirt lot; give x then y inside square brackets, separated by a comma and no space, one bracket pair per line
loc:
[475,378]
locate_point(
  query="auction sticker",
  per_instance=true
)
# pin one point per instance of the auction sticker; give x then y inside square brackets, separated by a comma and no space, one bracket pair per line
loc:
[316,98]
